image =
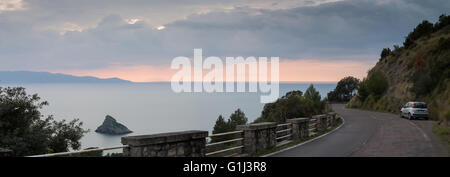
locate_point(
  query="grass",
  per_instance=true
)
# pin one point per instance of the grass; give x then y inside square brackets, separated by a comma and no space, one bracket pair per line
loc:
[443,132]
[295,142]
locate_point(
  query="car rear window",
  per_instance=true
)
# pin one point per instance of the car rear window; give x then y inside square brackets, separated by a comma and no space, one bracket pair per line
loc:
[420,105]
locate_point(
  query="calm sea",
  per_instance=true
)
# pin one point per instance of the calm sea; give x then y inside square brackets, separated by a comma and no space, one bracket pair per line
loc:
[148,108]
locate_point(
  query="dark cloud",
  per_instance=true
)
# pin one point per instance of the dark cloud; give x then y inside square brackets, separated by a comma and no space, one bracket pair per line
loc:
[337,30]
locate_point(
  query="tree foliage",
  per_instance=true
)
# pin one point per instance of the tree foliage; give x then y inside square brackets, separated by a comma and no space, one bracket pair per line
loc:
[293,105]
[375,84]
[385,52]
[312,94]
[237,118]
[426,28]
[23,130]
[444,20]
[345,90]
[363,92]
[221,126]
[423,29]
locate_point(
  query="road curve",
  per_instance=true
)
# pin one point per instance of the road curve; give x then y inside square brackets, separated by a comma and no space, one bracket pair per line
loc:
[367,133]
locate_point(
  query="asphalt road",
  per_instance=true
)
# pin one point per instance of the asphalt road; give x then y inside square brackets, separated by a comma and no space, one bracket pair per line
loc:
[367,133]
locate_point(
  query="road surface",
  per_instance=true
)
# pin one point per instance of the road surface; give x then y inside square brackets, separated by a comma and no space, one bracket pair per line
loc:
[367,133]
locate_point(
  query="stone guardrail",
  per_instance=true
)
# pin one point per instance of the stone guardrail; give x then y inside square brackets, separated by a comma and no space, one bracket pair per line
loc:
[254,138]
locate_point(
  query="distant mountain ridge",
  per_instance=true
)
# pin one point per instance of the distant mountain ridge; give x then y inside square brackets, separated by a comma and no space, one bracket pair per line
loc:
[46,77]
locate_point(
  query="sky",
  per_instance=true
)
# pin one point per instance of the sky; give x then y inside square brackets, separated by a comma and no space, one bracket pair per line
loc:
[136,40]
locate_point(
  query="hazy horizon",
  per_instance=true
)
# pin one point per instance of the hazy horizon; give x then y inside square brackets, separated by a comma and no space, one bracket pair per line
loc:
[88,76]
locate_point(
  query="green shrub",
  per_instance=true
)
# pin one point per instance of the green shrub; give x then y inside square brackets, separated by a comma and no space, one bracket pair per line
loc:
[447,116]
[422,83]
[376,84]
[369,102]
[363,92]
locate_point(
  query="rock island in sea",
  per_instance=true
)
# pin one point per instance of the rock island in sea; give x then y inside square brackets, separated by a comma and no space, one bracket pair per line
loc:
[112,127]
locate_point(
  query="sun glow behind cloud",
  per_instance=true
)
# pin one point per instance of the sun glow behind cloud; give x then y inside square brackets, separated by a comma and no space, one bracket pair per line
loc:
[160,27]
[11,5]
[132,20]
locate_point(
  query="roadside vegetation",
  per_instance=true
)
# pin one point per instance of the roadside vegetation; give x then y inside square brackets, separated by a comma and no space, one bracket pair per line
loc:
[294,104]
[221,126]
[345,89]
[417,71]
[26,131]
[443,131]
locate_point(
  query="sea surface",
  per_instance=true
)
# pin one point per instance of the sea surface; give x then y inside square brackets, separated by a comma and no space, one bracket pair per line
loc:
[148,108]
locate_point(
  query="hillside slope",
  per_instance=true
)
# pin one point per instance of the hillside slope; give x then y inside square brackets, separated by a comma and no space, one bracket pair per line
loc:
[417,71]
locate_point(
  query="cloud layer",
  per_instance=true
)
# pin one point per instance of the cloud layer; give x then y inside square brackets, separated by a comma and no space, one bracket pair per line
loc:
[88,35]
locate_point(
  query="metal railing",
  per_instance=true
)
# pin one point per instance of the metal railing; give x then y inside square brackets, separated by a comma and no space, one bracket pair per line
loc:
[283,133]
[224,146]
[78,152]
[313,126]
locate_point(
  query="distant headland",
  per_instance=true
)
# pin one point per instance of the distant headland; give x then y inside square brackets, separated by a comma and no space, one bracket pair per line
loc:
[46,77]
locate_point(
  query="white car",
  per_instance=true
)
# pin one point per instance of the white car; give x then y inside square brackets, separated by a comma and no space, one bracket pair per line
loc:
[413,110]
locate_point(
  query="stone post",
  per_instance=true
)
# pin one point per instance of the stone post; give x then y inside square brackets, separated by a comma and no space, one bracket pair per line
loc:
[300,127]
[175,144]
[258,136]
[6,153]
[321,121]
[333,118]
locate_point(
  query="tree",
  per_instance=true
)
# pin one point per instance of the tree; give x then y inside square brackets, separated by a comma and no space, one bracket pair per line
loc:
[423,29]
[221,126]
[237,118]
[385,52]
[23,130]
[363,92]
[295,93]
[313,99]
[444,20]
[312,94]
[293,104]
[345,89]
[375,84]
